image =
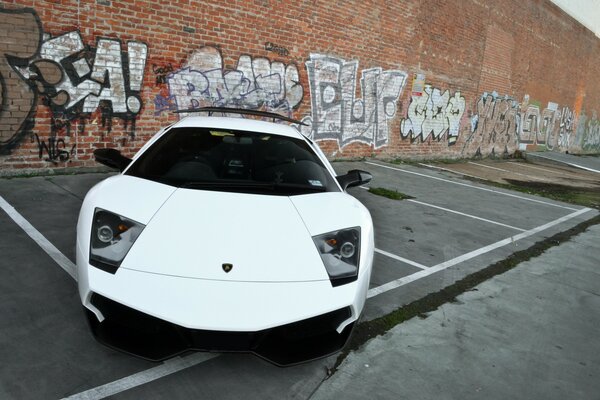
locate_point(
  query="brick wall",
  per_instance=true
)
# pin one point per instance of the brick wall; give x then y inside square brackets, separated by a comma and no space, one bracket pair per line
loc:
[410,79]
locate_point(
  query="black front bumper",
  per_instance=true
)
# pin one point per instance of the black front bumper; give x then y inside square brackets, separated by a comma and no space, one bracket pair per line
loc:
[151,338]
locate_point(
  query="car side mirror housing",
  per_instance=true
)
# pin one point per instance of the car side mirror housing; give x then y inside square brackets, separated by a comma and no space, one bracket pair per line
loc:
[112,158]
[355,177]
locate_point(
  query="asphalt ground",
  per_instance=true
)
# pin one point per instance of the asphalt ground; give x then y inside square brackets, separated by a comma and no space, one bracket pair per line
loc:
[530,333]
[450,229]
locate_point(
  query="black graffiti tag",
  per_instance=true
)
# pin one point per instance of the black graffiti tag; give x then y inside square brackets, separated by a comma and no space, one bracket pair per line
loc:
[21,37]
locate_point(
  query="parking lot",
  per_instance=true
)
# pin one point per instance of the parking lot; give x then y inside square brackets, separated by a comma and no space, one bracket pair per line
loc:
[449,229]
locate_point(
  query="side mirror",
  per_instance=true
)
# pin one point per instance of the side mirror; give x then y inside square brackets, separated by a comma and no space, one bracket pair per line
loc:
[356,177]
[112,158]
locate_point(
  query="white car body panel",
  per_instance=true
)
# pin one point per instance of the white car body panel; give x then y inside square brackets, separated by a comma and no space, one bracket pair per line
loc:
[223,306]
[262,236]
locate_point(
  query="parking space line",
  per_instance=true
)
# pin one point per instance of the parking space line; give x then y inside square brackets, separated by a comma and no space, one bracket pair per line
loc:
[459,213]
[404,260]
[451,170]
[521,164]
[44,243]
[446,264]
[472,186]
[510,172]
[568,163]
[129,382]
[466,215]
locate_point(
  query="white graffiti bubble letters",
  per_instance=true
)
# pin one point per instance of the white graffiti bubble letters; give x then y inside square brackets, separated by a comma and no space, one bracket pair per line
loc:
[338,114]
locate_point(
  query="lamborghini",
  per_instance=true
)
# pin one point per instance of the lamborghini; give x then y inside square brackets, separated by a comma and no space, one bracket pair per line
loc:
[224,234]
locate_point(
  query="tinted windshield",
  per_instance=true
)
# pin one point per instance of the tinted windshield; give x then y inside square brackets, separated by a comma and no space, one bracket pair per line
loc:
[231,160]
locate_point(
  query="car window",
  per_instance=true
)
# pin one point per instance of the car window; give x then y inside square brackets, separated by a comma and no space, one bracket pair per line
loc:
[234,160]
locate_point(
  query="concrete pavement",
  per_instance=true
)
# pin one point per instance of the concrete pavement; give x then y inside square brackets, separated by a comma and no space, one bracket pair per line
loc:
[588,163]
[531,333]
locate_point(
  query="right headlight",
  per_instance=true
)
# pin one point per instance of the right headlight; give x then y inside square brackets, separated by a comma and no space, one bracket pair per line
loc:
[340,252]
[112,238]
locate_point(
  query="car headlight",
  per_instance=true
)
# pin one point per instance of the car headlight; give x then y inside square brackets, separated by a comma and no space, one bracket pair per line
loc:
[340,252]
[112,237]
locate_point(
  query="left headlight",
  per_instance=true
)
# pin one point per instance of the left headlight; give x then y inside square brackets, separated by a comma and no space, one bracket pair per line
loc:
[112,237]
[340,252]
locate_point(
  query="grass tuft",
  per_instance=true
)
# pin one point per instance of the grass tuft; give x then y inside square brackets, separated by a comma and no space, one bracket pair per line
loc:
[390,194]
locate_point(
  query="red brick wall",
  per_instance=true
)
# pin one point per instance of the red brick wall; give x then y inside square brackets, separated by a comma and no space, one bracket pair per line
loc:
[501,75]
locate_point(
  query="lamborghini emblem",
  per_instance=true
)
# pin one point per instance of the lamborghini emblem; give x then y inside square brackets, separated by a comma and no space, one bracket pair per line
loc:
[227,267]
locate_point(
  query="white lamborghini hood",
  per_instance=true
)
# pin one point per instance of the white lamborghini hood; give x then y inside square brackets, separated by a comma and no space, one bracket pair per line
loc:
[196,232]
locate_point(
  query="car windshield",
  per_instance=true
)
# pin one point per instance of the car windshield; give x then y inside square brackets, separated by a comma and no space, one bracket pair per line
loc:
[233,160]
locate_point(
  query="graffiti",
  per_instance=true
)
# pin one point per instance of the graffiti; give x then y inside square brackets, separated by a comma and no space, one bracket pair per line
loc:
[74,80]
[164,101]
[494,128]
[337,114]
[255,83]
[77,80]
[161,73]
[56,149]
[530,125]
[433,114]
[501,124]
[588,132]
[282,51]
[17,96]
[550,127]
[566,128]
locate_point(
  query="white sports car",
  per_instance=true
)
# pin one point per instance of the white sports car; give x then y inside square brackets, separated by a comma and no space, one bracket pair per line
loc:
[224,234]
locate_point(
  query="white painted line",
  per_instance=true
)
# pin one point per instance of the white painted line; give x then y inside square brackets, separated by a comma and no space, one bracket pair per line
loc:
[552,171]
[44,243]
[487,166]
[446,264]
[467,215]
[167,368]
[404,260]
[473,187]
[510,172]
[453,171]
[459,213]
[568,163]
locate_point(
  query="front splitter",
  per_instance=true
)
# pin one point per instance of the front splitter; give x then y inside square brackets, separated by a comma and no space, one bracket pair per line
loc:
[154,339]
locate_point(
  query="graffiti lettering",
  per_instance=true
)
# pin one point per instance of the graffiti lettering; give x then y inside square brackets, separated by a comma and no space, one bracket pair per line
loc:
[254,84]
[17,97]
[56,149]
[161,73]
[566,128]
[433,114]
[73,79]
[588,132]
[337,114]
[282,51]
[494,128]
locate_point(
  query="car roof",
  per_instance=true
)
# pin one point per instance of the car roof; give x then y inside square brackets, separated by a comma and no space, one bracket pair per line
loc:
[243,124]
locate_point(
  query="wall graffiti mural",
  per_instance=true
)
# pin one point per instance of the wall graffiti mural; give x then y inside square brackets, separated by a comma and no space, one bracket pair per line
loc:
[255,83]
[494,127]
[61,92]
[587,136]
[433,114]
[337,114]
[74,80]
[501,125]
[551,127]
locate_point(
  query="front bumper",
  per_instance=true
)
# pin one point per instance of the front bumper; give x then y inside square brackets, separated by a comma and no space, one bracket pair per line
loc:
[148,337]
